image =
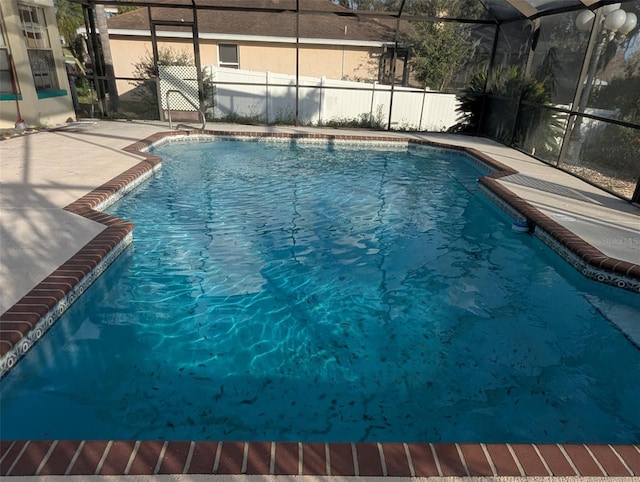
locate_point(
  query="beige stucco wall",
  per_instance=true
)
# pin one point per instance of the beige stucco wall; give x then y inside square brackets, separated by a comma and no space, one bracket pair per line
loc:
[128,51]
[333,62]
[35,112]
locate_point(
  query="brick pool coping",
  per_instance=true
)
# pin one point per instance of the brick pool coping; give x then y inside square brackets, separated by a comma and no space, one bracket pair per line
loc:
[93,457]
[25,322]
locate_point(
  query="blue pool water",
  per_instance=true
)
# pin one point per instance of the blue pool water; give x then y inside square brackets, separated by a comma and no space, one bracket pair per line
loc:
[283,292]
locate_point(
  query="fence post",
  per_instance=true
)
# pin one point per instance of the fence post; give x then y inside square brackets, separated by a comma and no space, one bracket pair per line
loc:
[323,80]
[266,80]
[424,97]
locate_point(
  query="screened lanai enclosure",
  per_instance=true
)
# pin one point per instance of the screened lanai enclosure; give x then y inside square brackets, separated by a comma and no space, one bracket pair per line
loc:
[558,79]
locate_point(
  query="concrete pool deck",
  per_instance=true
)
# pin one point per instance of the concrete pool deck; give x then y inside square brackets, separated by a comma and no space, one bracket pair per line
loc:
[43,175]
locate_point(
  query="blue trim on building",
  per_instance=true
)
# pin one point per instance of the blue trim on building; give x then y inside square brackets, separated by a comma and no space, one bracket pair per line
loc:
[10,97]
[45,94]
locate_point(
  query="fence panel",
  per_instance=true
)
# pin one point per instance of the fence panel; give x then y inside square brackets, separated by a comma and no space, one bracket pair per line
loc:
[239,99]
[271,97]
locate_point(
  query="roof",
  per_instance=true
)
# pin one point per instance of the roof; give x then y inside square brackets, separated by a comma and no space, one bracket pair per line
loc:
[262,20]
[496,11]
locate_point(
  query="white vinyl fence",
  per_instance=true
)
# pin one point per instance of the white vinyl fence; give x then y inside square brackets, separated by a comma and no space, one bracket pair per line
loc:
[271,97]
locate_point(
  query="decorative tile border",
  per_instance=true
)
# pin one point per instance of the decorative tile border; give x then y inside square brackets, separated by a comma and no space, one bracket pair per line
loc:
[590,261]
[502,204]
[25,323]
[587,259]
[91,457]
[573,258]
[377,143]
[592,272]
[309,138]
[10,320]
[22,325]
[457,153]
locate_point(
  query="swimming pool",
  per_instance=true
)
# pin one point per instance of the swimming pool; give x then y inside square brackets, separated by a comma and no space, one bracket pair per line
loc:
[372,295]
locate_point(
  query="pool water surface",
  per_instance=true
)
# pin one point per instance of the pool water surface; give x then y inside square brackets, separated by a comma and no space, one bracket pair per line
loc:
[277,291]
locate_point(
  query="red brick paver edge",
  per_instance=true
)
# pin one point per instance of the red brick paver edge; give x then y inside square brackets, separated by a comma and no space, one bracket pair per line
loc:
[25,322]
[73,457]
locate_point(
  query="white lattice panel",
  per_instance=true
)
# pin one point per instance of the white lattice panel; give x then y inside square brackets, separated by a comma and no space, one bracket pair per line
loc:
[179,77]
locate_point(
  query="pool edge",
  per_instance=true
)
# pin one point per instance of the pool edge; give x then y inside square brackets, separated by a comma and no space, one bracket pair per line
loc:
[584,257]
[55,294]
[24,323]
[364,459]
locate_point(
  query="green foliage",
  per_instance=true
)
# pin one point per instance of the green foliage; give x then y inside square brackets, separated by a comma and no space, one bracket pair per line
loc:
[437,51]
[439,48]
[471,104]
[234,118]
[623,94]
[126,9]
[144,70]
[286,117]
[522,124]
[69,19]
[614,151]
[363,121]
[501,112]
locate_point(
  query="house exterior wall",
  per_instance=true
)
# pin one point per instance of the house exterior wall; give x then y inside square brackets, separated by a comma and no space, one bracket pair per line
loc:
[127,51]
[37,109]
[330,61]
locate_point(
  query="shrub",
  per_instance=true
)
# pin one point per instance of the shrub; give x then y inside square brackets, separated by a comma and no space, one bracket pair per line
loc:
[501,113]
[144,70]
[614,151]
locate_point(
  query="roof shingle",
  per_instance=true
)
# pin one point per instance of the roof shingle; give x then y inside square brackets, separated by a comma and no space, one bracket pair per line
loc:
[265,18]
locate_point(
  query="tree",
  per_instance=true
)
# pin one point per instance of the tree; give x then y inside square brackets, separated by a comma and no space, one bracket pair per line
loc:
[437,51]
[622,94]
[439,48]
[69,18]
[126,8]
[109,73]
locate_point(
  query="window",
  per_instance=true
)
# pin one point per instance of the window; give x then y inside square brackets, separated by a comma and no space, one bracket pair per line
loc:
[36,34]
[228,56]
[6,86]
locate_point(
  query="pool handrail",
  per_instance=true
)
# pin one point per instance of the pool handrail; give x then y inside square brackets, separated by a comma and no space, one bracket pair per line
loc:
[200,112]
